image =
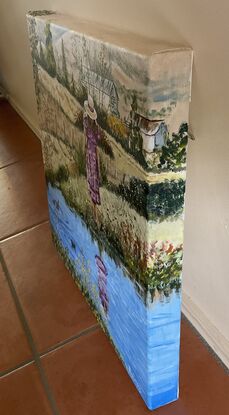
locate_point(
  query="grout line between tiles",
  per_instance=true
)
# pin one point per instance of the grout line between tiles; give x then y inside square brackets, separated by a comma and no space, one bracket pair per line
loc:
[26,229]
[8,372]
[59,345]
[21,160]
[31,342]
[9,164]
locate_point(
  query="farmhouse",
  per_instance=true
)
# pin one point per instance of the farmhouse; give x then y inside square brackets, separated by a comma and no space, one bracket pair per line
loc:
[103,90]
[154,133]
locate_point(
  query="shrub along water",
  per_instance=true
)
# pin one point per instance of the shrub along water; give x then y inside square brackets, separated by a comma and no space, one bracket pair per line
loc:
[155,202]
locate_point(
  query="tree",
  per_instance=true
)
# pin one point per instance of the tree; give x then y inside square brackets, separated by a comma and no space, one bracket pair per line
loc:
[76,53]
[134,104]
[64,67]
[42,57]
[136,141]
[103,65]
[33,39]
[173,155]
[35,57]
[73,88]
[50,58]
[58,71]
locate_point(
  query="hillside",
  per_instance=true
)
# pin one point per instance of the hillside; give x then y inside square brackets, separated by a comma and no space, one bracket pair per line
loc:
[65,100]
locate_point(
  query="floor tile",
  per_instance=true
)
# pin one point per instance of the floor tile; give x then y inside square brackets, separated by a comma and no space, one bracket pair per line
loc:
[204,383]
[21,393]
[53,305]
[23,196]
[86,376]
[17,140]
[14,348]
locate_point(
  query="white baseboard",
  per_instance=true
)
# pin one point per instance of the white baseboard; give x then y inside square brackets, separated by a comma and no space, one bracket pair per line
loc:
[204,326]
[24,116]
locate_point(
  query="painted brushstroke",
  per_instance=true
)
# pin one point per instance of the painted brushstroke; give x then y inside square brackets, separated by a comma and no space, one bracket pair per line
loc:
[114,136]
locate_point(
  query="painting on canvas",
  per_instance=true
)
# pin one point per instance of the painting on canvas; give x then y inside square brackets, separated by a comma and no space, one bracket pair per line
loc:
[114,136]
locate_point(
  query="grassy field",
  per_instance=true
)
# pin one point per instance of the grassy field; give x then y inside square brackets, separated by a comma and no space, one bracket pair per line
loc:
[58,113]
[114,212]
[141,244]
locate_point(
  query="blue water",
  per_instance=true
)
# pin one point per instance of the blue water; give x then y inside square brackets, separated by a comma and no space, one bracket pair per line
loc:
[146,336]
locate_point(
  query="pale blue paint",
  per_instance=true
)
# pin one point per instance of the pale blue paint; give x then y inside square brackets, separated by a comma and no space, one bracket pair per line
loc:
[147,337]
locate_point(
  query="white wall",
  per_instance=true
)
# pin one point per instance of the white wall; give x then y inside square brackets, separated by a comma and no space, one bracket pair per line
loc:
[204,26]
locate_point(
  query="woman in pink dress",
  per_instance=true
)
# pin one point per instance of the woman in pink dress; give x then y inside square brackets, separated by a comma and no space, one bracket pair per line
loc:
[91,130]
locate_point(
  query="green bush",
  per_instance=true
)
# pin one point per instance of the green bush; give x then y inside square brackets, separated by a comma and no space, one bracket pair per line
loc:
[134,151]
[57,177]
[165,199]
[173,155]
[155,202]
[105,145]
[81,94]
[135,193]
[79,121]
[166,271]
[103,173]
[62,174]
[80,159]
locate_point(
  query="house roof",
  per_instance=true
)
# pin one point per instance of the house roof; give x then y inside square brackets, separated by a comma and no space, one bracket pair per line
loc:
[151,119]
[94,79]
[149,127]
[152,131]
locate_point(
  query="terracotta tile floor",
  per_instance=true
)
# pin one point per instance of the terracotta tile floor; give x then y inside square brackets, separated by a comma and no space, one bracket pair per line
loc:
[54,358]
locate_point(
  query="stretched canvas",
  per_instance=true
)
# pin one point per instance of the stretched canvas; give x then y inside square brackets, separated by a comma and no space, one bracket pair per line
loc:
[113,111]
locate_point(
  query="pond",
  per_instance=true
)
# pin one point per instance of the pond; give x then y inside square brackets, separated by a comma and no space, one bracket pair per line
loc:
[146,334]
